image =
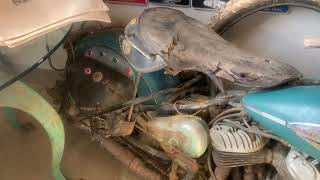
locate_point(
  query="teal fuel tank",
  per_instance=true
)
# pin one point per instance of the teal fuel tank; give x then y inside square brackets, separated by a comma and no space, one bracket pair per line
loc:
[291,113]
[105,47]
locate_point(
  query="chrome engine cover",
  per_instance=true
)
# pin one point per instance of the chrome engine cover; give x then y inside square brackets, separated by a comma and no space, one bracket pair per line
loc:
[229,139]
[300,168]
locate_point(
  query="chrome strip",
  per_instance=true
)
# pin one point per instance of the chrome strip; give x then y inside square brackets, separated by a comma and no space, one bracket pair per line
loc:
[275,119]
[305,124]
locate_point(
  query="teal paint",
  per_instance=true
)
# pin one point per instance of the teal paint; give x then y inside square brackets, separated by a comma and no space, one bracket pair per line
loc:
[299,104]
[151,82]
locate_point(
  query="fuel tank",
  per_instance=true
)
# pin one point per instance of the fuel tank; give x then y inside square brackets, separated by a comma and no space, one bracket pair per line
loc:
[291,113]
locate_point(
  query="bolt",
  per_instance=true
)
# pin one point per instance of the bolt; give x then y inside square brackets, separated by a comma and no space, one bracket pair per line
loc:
[115,60]
[97,76]
[102,53]
[127,71]
[87,70]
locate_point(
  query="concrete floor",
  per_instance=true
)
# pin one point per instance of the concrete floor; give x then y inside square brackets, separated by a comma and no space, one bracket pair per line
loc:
[25,155]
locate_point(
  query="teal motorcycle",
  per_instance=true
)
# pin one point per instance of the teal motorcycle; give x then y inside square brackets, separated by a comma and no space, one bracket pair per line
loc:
[274,124]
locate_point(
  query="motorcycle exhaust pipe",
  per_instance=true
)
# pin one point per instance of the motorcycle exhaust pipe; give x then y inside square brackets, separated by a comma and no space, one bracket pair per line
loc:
[130,160]
[126,157]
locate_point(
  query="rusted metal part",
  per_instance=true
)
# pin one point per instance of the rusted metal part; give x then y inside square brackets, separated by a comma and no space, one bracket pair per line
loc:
[222,173]
[279,153]
[192,105]
[187,133]
[187,45]
[235,10]
[134,94]
[235,173]
[248,173]
[174,170]
[147,148]
[123,128]
[140,100]
[130,160]
[179,157]
[20,96]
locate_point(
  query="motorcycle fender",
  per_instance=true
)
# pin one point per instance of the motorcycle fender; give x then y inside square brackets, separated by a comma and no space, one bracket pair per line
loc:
[24,20]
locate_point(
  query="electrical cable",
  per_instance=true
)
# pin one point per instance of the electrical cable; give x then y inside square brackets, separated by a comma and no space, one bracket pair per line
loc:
[35,65]
[228,111]
[49,58]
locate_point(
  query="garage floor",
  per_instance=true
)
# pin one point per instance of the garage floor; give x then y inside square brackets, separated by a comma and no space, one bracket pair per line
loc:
[25,154]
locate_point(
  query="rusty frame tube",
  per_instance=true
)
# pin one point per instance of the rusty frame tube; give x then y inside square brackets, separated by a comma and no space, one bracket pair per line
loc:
[131,161]
[19,96]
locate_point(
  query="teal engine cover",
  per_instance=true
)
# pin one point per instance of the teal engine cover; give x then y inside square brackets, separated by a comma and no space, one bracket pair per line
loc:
[291,113]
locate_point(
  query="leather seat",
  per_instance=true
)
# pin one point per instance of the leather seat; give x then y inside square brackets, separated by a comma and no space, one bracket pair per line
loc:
[24,20]
[186,44]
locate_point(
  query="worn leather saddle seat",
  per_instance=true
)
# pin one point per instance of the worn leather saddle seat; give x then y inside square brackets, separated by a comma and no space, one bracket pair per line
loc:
[24,20]
[186,44]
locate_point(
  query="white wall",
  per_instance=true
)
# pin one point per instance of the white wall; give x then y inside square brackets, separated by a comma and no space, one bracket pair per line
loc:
[281,36]
[278,36]
[121,14]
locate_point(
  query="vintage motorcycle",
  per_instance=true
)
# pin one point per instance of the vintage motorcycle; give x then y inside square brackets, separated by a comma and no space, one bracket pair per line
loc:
[273,124]
[115,86]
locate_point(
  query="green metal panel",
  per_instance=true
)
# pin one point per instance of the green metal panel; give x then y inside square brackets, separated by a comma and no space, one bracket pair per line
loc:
[20,96]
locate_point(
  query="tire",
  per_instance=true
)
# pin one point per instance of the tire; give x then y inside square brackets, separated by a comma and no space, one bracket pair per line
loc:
[235,10]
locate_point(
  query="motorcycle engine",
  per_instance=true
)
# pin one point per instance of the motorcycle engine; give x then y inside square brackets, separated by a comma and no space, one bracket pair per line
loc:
[234,147]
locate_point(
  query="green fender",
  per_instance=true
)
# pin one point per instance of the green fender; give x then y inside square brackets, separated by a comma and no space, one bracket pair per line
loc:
[19,96]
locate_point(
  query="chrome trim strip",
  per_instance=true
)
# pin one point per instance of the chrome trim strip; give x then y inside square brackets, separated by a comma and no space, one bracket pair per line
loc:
[275,119]
[305,124]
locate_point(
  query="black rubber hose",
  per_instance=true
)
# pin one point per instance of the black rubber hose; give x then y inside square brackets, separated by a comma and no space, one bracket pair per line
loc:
[235,11]
[35,65]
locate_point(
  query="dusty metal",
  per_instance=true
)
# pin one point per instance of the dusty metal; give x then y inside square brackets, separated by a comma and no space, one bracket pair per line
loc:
[195,104]
[187,163]
[222,173]
[186,44]
[21,97]
[232,159]
[187,133]
[100,85]
[248,173]
[130,160]
[279,153]
[29,19]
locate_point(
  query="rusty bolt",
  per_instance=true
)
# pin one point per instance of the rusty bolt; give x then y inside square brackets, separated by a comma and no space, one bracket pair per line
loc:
[87,70]
[97,76]
[105,82]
